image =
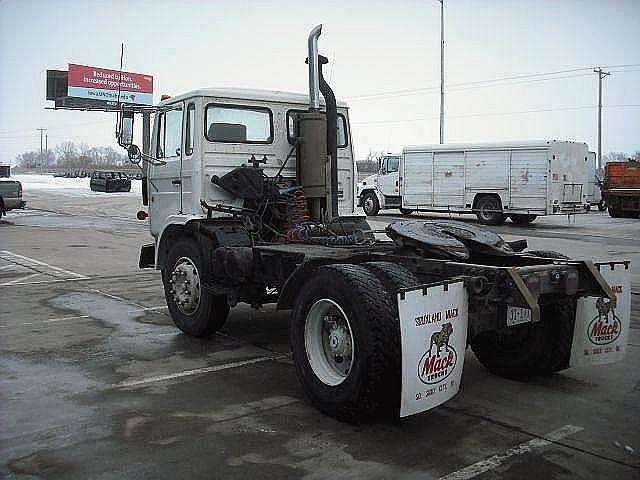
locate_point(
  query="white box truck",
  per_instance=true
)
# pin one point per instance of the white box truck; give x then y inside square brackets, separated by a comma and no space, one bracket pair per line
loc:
[520,180]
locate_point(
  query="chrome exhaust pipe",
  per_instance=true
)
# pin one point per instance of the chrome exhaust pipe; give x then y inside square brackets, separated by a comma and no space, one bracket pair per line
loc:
[314,82]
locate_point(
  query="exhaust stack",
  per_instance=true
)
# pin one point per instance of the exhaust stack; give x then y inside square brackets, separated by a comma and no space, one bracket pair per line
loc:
[314,82]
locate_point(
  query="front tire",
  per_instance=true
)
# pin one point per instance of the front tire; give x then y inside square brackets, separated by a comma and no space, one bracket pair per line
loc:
[343,314]
[602,206]
[531,349]
[370,203]
[406,211]
[489,210]
[193,310]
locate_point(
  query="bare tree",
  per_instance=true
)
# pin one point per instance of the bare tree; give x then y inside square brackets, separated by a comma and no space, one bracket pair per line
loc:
[615,157]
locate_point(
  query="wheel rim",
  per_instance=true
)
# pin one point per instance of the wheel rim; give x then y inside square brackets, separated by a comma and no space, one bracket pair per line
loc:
[328,341]
[185,285]
[368,204]
[487,210]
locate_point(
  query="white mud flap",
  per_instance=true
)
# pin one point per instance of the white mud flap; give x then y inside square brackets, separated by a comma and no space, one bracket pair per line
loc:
[600,334]
[433,332]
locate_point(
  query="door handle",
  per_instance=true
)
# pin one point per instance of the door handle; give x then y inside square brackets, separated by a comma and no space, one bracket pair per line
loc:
[176,181]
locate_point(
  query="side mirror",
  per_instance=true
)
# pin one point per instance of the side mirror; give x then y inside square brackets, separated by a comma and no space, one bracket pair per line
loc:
[133,151]
[125,129]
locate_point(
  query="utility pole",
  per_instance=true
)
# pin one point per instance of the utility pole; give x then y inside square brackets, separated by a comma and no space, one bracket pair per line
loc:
[441,71]
[601,74]
[41,130]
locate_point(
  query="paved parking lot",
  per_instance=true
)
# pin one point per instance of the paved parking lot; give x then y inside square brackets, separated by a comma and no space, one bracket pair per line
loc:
[96,382]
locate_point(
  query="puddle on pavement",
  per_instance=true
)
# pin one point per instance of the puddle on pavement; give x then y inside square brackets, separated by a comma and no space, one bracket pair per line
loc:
[129,335]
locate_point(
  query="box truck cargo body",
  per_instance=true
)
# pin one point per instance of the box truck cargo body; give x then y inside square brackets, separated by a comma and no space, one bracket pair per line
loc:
[520,180]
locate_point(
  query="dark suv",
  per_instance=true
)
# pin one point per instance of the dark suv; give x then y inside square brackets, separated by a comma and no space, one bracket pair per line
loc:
[107,181]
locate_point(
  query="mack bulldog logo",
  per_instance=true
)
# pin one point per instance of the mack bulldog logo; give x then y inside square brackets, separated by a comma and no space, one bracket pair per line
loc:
[440,360]
[605,327]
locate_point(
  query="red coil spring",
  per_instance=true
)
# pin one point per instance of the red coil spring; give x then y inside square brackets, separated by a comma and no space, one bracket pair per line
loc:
[302,210]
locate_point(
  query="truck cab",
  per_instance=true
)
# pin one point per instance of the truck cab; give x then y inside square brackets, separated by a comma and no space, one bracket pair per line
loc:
[382,189]
[200,136]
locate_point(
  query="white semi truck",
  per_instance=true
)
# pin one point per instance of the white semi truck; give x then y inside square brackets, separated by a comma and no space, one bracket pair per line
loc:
[520,180]
[250,201]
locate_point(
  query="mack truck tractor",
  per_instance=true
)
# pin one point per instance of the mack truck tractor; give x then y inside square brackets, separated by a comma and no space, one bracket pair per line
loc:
[251,199]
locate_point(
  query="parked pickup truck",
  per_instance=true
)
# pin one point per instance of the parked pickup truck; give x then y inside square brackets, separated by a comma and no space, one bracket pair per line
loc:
[10,195]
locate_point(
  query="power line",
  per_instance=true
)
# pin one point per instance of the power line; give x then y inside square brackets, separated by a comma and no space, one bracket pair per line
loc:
[489,114]
[499,81]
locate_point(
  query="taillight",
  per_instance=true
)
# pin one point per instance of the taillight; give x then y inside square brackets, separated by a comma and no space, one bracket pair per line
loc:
[19,188]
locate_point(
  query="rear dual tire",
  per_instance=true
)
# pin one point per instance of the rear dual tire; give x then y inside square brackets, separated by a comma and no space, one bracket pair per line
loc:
[489,210]
[522,219]
[360,326]
[532,349]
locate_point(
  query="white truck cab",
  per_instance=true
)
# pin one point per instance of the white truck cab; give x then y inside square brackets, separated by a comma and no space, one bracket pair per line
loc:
[201,135]
[382,189]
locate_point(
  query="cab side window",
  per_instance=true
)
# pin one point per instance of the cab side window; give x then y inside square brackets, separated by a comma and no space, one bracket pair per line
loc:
[342,142]
[392,164]
[169,134]
[190,122]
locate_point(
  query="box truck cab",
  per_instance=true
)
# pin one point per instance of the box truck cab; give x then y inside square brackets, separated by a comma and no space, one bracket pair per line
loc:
[382,189]
[201,135]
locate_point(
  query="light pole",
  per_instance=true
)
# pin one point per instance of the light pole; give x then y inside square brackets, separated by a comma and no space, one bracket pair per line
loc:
[601,75]
[41,130]
[441,71]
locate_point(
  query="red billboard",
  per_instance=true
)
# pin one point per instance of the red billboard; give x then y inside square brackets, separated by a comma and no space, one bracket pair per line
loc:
[110,85]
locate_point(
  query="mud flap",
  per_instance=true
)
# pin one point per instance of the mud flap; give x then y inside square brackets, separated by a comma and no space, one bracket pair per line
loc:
[600,333]
[433,332]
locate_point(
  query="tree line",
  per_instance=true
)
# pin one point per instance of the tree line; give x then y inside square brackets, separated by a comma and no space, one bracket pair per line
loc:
[72,156]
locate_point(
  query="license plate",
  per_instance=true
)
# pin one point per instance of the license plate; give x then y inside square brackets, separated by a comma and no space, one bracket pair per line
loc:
[518,315]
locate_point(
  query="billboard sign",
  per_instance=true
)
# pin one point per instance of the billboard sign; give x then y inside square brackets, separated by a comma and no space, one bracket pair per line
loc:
[97,83]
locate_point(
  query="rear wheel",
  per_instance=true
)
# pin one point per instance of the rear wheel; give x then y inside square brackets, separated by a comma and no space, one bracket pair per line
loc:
[406,211]
[522,219]
[530,349]
[194,311]
[602,206]
[614,213]
[345,342]
[370,203]
[489,210]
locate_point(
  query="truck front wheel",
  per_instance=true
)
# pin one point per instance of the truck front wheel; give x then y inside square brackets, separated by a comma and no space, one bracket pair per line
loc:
[345,342]
[370,203]
[193,310]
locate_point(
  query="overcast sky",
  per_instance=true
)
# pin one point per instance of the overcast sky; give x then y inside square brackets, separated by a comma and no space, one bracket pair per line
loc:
[385,62]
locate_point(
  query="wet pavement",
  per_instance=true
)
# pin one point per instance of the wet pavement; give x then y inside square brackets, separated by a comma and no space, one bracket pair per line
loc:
[96,382]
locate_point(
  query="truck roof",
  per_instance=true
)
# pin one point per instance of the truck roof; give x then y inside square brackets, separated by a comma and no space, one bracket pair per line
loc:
[248,94]
[484,146]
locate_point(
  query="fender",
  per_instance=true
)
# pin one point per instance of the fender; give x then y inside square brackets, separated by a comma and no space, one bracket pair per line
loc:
[170,223]
[210,233]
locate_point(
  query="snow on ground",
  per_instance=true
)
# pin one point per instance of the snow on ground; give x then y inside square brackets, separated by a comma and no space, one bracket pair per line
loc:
[68,187]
